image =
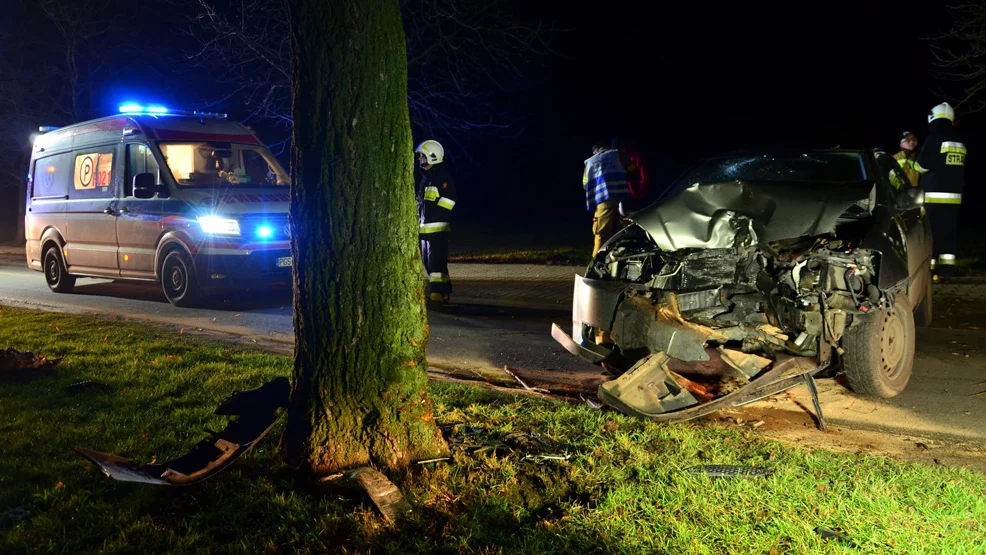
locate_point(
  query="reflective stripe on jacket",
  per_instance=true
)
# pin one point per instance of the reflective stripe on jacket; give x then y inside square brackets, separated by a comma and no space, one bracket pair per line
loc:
[436,198]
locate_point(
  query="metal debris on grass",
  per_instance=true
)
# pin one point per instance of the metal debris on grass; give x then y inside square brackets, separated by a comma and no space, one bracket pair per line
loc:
[826,533]
[729,471]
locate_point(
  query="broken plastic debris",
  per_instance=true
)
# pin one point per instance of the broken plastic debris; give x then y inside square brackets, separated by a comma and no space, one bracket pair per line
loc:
[729,471]
[542,458]
[87,385]
[258,410]
[382,492]
[592,404]
[12,359]
[832,534]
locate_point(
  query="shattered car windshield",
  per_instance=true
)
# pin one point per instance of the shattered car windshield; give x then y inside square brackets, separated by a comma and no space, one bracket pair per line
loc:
[219,164]
[811,167]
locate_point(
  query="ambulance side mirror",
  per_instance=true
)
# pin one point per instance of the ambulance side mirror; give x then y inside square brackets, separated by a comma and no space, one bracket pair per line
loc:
[145,185]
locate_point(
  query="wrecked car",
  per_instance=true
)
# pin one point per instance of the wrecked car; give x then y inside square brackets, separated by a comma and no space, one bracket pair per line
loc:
[755,272]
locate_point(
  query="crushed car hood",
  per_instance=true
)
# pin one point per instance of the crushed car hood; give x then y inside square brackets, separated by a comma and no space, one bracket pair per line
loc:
[705,216]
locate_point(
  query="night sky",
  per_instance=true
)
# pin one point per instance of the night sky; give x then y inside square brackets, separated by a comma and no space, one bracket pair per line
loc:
[682,84]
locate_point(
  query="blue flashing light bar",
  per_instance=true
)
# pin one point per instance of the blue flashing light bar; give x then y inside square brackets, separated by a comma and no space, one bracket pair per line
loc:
[265,232]
[134,108]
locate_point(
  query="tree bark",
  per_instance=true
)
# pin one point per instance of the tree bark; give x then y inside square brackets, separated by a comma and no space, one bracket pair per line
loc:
[359,388]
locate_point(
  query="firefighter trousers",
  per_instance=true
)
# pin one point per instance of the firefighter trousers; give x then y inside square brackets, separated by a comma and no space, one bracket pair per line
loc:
[944,234]
[434,253]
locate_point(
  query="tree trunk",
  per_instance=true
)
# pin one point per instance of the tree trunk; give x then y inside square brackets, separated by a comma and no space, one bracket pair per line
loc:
[359,389]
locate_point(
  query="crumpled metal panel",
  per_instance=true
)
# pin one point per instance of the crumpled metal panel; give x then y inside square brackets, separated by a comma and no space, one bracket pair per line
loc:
[705,216]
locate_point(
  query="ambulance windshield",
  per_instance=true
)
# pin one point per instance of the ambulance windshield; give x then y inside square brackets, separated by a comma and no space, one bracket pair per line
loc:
[218,164]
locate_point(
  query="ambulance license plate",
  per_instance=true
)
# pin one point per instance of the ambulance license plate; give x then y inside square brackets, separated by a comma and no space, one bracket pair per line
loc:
[284,262]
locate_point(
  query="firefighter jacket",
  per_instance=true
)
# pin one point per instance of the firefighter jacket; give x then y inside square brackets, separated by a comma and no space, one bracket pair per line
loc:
[436,198]
[907,164]
[941,164]
[605,178]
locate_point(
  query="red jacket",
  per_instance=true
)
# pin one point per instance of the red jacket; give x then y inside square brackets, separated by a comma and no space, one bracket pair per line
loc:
[637,175]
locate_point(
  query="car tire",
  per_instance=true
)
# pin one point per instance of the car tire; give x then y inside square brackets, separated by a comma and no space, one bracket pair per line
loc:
[925,312]
[56,275]
[879,352]
[178,279]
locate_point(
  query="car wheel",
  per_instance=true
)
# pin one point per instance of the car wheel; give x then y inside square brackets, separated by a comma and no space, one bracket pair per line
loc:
[924,313]
[880,351]
[56,275]
[178,279]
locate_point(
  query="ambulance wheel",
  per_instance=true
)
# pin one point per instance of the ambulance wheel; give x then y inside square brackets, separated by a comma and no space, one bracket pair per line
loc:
[178,279]
[56,275]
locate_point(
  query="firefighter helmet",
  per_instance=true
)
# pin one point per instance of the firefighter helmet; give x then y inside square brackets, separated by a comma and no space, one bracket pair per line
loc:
[433,150]
[943,110]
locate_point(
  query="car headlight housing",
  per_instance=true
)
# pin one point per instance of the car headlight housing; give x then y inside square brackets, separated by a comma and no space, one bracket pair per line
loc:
[219,226]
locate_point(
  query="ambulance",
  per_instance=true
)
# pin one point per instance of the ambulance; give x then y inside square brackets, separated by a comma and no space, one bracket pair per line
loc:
[188,199]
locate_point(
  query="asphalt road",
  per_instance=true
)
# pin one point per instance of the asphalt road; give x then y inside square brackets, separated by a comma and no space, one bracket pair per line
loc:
[939,402]
[463,336]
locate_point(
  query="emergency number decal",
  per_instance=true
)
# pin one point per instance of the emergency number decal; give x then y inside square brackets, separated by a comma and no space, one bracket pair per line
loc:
[93,170]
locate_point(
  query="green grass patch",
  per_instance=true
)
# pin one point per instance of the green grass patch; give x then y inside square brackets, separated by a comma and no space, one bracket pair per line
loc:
[559,256]
[622,490]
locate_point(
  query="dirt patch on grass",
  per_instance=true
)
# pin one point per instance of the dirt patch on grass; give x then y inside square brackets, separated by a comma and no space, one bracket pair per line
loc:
[798,429]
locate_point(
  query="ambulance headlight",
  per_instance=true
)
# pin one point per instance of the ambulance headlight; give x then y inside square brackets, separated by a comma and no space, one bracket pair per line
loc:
[219,226]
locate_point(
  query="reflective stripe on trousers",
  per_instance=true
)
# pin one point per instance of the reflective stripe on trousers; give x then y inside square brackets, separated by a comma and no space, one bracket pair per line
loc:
[942,198]
[434,227]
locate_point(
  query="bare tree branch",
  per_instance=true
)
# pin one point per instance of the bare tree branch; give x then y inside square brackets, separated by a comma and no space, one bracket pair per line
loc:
[465,57]
[959,57]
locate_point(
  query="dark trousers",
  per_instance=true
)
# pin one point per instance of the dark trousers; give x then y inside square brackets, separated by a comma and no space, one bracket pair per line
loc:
[944,232]
[434,253]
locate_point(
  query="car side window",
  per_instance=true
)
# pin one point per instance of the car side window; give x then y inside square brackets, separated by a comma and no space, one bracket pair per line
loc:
[894,179]
[51,176]
[140,159]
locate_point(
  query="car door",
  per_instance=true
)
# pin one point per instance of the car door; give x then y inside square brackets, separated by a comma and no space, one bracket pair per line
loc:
[909,216]
[139,223]
[90,223]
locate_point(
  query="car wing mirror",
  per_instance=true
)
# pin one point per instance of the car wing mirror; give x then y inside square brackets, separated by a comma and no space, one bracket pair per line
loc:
[145,185]
[915,196]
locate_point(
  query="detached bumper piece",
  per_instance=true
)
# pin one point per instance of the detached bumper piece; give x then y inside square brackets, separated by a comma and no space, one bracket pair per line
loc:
[651,390]
[257,411]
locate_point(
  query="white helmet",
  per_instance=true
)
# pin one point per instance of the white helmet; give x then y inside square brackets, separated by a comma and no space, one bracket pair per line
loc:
[943,110]
[433,150]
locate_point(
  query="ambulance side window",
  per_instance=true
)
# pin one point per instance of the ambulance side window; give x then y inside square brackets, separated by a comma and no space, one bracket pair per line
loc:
[140,159]
[93,173]
[51,176]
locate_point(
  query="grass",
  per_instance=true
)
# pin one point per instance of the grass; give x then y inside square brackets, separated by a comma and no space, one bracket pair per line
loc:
[559,256]
[622,490]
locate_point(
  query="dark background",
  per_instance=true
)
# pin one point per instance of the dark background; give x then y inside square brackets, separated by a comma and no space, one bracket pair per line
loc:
[682,81]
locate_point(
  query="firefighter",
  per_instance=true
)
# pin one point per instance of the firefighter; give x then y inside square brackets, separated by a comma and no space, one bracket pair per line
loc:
[436,199]
[605,182]
[907,157]
[941,163]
